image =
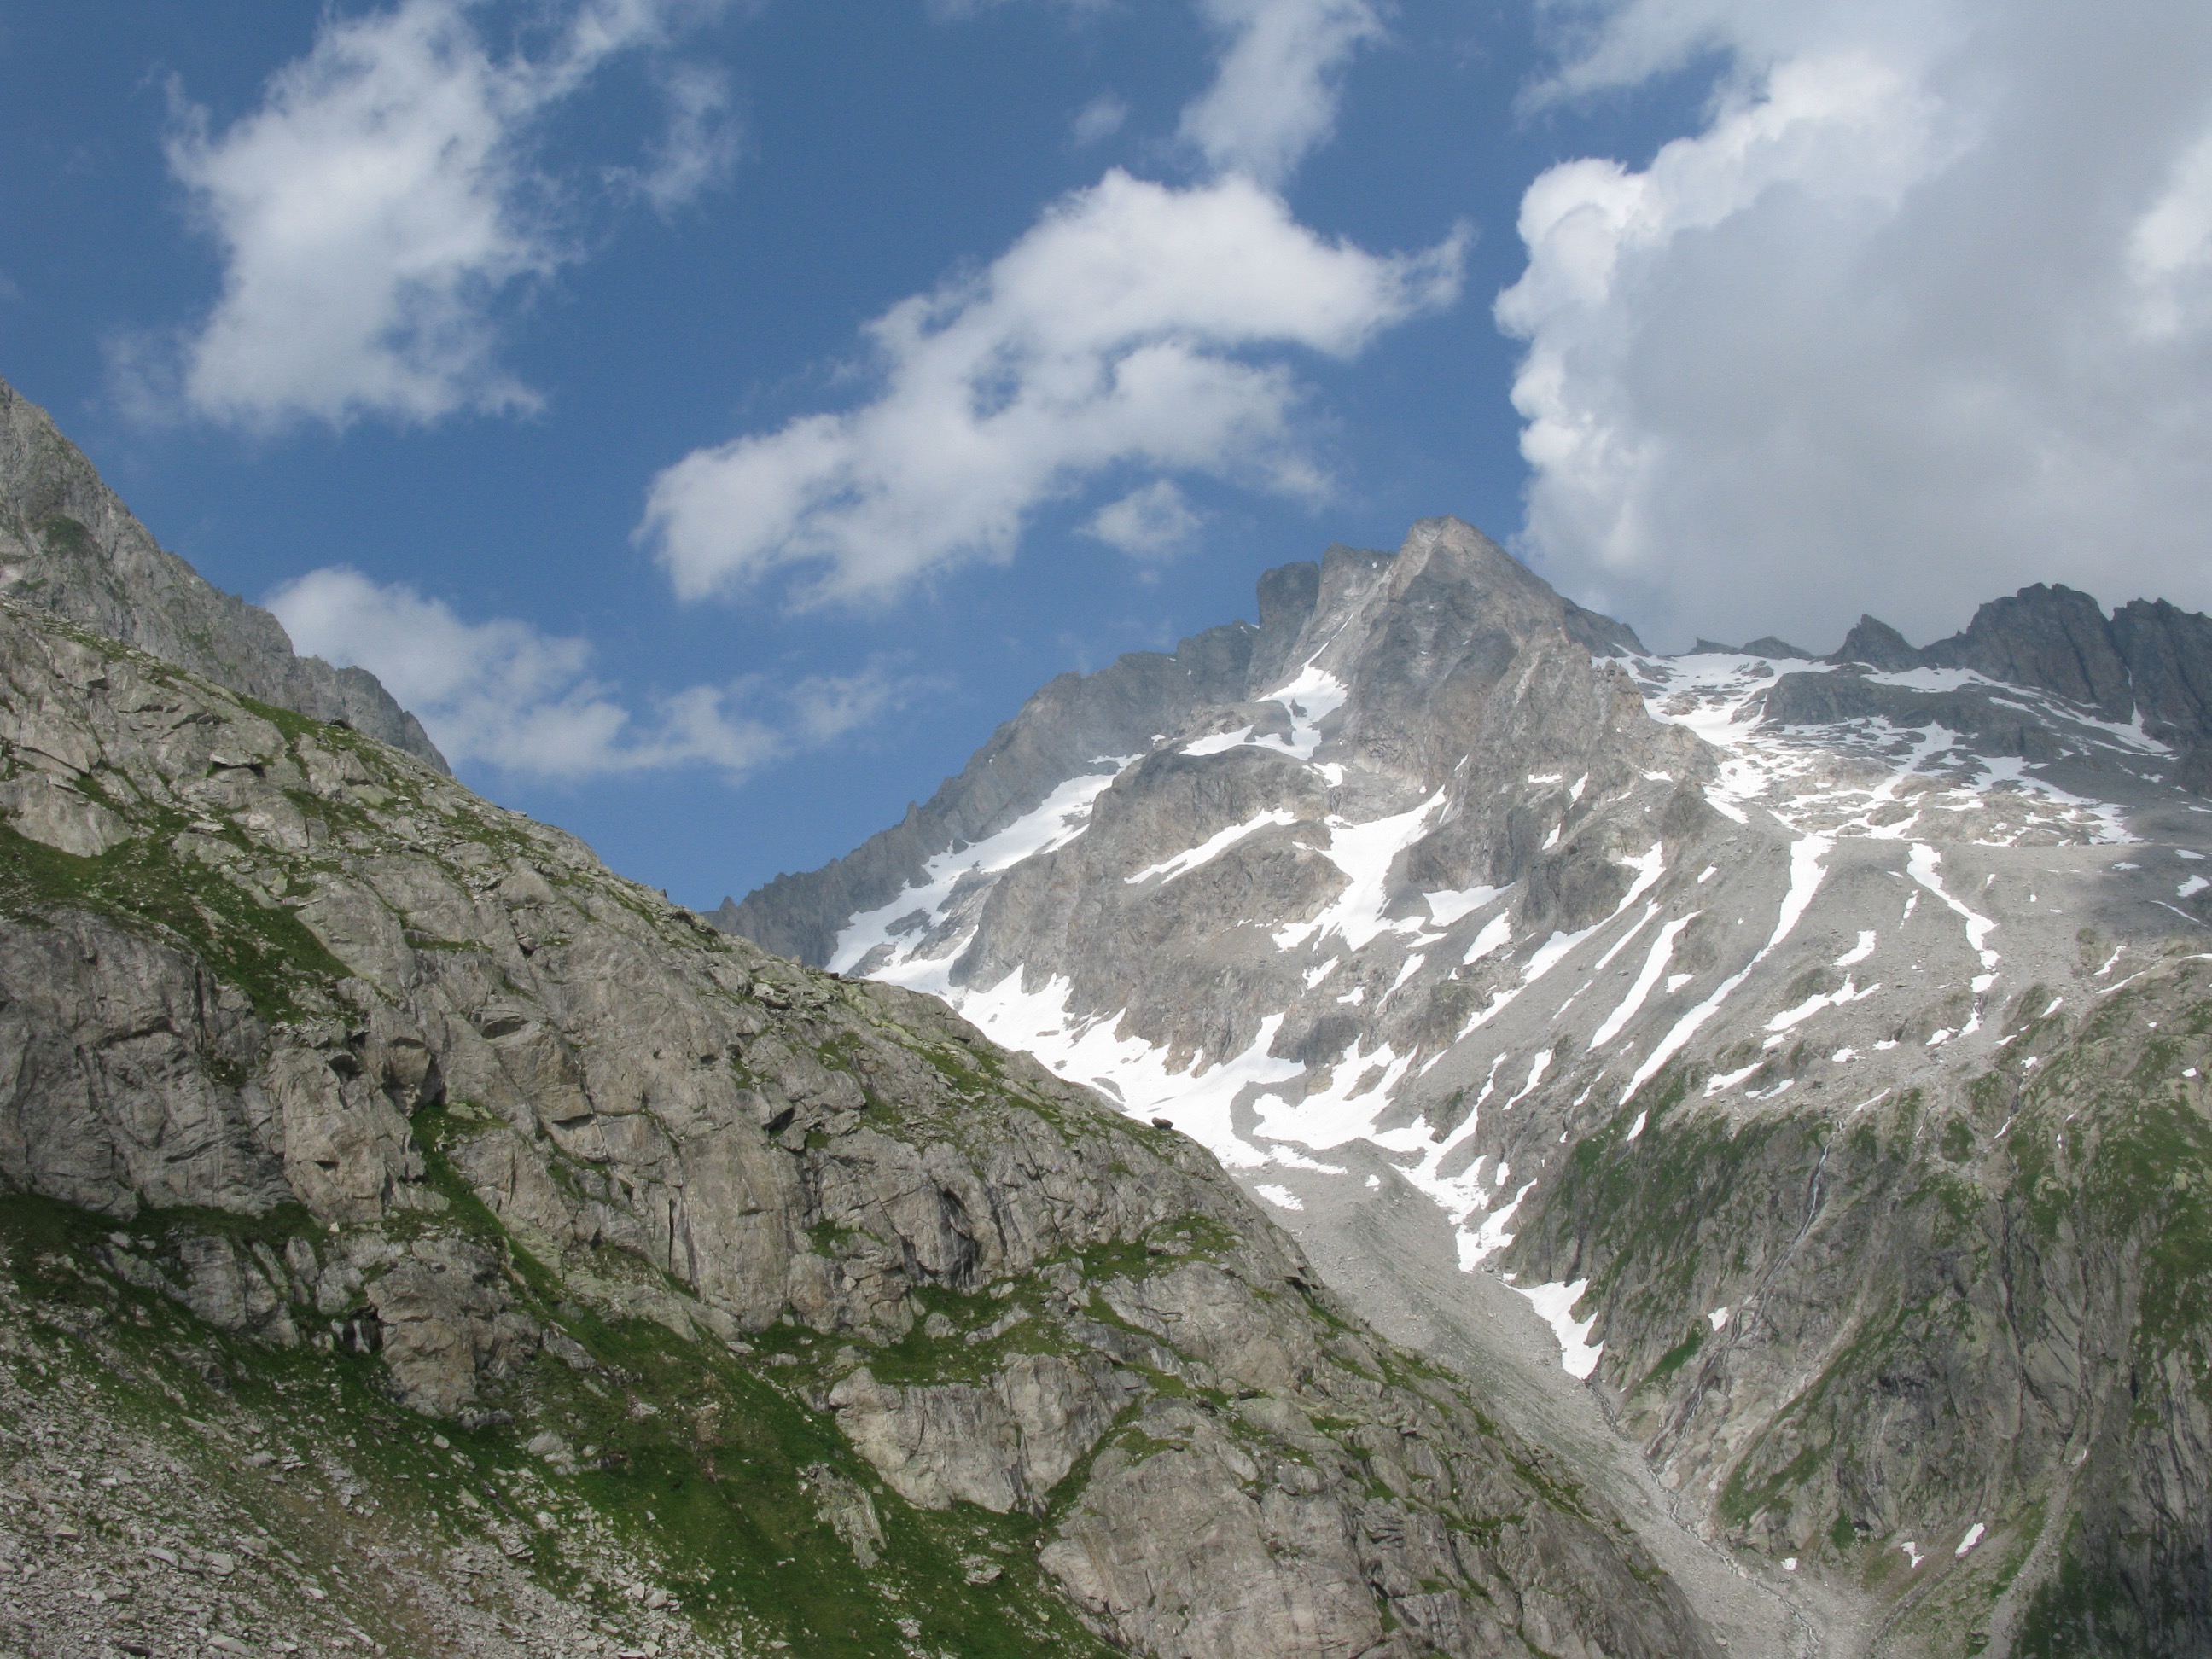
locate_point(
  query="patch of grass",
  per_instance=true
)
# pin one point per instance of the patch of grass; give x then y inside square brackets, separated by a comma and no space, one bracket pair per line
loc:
[264,951]
[1675,1358]
[713,1474]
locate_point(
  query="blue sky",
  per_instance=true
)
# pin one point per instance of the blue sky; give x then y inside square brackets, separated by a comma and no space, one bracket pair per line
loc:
[716,417]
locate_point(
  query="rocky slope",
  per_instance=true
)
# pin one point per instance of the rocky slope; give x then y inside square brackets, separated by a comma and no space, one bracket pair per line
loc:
[1816,1044]
[70,546]
[418,1236]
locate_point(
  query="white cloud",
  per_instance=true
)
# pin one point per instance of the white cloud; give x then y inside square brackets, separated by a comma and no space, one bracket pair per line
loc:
[699,149]
[1154,522]
[1098,120]
[376,207]
[502,694]
[1273,99]
[2169,252]
[1923,311]
[1135,326]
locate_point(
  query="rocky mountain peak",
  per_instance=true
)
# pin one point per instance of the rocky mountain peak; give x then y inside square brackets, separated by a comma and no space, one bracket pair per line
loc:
[2149,661]
[2056,638]
[1707,1006]
[69,545]
[1876,644]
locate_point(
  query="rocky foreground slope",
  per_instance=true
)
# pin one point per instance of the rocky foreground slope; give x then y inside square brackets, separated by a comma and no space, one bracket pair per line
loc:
[418,1239]
[1817,1045]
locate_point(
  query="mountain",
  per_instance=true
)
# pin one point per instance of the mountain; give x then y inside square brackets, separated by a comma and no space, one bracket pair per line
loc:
[1816,1045]
[418,1239]
[68,545]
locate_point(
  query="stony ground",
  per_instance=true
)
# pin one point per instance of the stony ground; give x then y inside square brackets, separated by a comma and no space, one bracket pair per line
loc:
[223,1525]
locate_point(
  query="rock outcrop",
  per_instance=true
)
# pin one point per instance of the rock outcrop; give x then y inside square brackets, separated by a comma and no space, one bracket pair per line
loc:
[70,546]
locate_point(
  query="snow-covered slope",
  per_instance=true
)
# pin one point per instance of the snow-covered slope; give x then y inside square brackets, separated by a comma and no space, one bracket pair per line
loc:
[1461,891]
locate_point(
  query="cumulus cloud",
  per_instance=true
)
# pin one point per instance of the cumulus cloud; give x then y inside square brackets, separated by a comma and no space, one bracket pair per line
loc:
[1136,325]
[380,201]
[1274,97]
[501,694]
[1922,311]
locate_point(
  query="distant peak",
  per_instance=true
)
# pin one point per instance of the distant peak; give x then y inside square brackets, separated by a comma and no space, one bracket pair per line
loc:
[1876,644]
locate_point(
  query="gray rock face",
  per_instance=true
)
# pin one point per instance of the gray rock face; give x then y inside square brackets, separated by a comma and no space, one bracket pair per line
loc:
[1002,1445]
[848,1510]
[233,1292]
[2150,660]
[1697,994]
[1069,727]
[68,545]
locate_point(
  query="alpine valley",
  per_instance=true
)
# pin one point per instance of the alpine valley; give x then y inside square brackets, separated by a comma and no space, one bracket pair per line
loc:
[1773,1083]
[1414,1128]
[416,1239]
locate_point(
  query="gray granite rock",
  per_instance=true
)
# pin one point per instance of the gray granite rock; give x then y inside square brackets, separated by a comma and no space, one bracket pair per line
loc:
[69,545]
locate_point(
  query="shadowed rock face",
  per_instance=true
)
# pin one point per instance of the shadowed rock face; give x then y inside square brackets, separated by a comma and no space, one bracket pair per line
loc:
[70,546]
[2168,652]
[2151,660]
[1796,1033]
[2056,638]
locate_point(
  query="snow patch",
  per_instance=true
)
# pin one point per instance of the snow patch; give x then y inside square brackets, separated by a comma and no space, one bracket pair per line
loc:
[1310,699]
[1805,875]
[1211,848]
[1726,1080]
[1057,820]
[1922,866]
[1537,1068]
[1201,1099]
[1219,743]
[1496,933]
[1364,852]
[1804,1011]
[1654,965]
[1578,1356]
[1449,906]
